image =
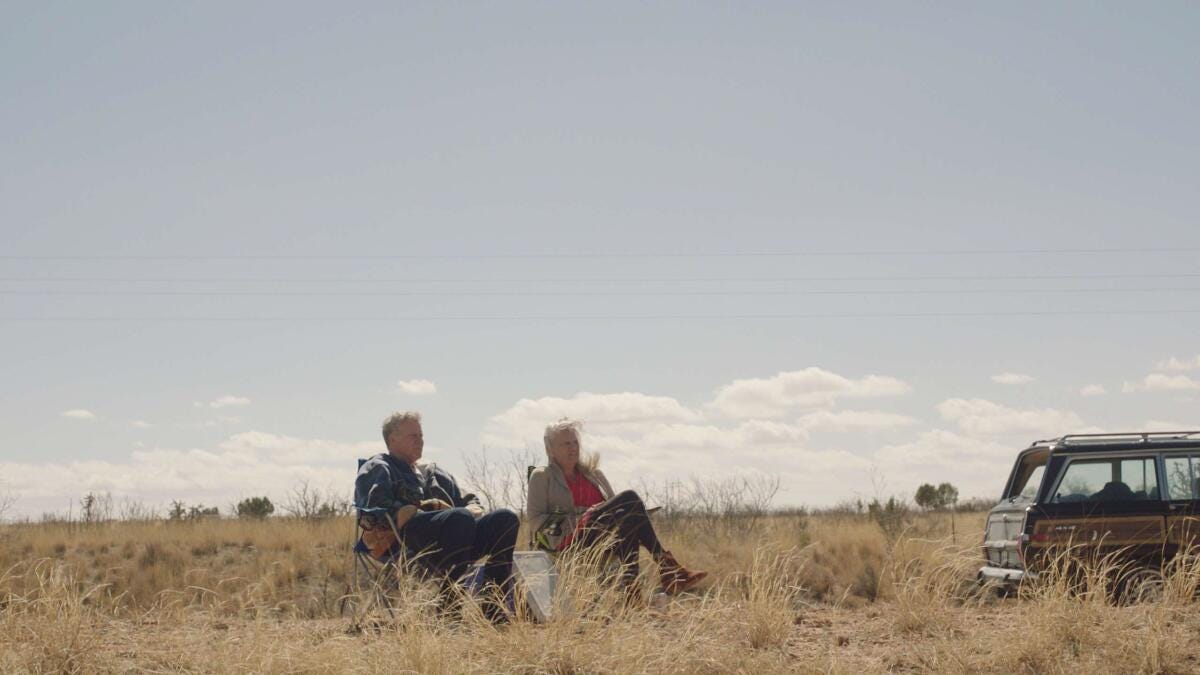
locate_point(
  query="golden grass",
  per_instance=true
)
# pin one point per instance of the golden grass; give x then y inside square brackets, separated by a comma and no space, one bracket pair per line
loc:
[787,594]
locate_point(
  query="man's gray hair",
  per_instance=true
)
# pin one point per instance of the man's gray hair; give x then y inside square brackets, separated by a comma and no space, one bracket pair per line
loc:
[563,424]
[396,419]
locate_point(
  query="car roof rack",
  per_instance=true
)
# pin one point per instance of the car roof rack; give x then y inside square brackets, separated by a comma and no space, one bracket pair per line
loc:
[1134,437]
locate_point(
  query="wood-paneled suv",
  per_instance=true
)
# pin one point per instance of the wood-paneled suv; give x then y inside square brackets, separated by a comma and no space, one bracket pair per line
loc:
[1134,495]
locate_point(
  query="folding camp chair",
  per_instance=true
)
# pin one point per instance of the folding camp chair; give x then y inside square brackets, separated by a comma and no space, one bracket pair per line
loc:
[538,568]
[375,579]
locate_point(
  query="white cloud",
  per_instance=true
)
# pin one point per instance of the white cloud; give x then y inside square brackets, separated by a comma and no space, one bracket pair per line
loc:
[245,464]
[1012,378]
[220,420]
[854,420]
[975,466]
[654,439]
[140,424]
[524,423]
[1164,425]
[982,417]
[416,387]
[1178,364]
[288,450]
[1093,390]
[78,414]
[678,452]
[939,446]
[227,401]
[808,388]
[1161,382]
[748,435]
[765,426]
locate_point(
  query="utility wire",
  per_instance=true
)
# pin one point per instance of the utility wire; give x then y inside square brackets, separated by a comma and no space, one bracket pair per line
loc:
[630,255]
[951,291]
[628,317]
[623,279]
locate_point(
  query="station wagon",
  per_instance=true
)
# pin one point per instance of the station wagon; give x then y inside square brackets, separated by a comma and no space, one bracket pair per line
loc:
[1135,495]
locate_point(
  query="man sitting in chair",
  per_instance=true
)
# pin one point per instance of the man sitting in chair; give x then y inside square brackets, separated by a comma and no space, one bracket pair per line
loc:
[430,514]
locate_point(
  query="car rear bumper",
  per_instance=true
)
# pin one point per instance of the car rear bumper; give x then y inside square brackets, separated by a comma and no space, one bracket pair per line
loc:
[1004,575]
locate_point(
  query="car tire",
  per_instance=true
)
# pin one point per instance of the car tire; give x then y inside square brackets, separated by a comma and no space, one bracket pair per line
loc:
[1140,585]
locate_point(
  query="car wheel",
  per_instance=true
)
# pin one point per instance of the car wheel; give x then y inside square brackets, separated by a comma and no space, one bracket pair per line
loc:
[1140,585]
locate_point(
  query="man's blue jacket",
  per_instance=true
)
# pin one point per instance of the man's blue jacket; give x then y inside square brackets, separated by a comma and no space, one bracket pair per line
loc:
[385,482]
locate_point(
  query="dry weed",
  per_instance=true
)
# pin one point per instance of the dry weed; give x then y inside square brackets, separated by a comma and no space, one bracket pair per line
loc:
[788,594]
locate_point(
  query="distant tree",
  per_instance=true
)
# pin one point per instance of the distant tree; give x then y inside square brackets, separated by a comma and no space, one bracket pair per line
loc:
[926,496]
[939,498]
[255,507]
[178,511]
[947,496]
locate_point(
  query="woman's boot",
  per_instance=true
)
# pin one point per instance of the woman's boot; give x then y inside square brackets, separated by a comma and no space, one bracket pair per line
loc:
[675,577]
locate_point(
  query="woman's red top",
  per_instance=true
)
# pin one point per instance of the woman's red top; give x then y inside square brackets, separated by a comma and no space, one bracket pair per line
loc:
[583,492]
[585,495]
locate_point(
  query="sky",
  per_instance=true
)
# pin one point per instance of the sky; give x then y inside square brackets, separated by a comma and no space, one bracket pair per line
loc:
[854,246]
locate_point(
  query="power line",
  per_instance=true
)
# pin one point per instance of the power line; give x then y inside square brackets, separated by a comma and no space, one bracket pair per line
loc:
[630,317]
[629,255]
[751,293]
[623,279]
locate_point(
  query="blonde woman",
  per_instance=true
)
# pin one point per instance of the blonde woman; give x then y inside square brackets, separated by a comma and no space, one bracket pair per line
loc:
[571,506]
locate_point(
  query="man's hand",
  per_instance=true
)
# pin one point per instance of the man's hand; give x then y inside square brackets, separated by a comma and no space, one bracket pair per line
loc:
[434,505]
[476,510]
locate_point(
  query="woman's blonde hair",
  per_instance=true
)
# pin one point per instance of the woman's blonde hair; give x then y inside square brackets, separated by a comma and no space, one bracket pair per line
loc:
[588,461]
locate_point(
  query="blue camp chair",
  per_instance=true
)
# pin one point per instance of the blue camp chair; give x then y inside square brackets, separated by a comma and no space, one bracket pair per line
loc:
[375,579]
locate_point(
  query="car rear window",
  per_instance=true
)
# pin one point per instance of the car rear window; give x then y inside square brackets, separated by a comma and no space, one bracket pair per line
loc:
[1028,490]
[1027,476]
[1108,479]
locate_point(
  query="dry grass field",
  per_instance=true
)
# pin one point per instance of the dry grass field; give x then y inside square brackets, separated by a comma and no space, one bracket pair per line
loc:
[787,593]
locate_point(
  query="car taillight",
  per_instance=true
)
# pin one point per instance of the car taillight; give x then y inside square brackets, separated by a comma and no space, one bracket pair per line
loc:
[1024,540]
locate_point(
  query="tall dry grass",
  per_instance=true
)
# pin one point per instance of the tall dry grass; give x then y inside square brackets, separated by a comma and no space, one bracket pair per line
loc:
[788,593]
[279,566]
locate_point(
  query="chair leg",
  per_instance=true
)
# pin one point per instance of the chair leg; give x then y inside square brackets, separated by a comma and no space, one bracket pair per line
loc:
[371,583]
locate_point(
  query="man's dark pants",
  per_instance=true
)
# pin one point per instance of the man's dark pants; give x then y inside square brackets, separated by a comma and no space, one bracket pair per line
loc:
[453,539]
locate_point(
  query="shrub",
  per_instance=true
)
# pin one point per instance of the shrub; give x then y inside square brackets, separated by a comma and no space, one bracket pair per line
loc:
[892,516]
[255,507]
[308,503]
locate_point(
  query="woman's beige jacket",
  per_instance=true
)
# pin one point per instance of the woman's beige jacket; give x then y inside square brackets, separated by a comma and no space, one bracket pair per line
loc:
[548,494]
